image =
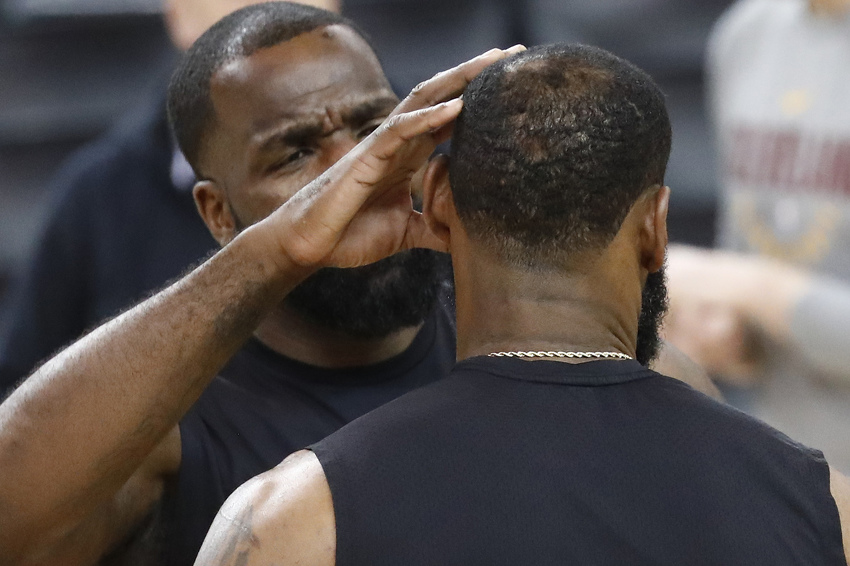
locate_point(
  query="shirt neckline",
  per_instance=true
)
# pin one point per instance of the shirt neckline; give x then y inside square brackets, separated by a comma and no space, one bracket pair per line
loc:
[595,373]
[397,366]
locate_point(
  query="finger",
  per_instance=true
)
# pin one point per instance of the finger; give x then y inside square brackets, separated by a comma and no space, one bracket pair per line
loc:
[401,129]
[518,48]
[451,83]
[341,203]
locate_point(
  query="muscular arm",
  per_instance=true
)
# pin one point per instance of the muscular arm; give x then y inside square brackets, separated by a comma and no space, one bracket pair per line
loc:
[283,517]
[85,423]
[76,431]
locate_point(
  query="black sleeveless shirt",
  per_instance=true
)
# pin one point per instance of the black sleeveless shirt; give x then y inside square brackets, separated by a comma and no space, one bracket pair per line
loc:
[263,406]
[519,462]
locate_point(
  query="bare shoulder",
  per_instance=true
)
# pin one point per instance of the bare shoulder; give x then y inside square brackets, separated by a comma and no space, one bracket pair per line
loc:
[284,516]
[839,485]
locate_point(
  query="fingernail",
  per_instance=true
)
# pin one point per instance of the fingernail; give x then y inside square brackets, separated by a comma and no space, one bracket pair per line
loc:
[519,47]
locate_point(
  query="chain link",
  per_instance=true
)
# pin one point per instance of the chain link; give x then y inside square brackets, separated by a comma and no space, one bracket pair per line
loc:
[602,355]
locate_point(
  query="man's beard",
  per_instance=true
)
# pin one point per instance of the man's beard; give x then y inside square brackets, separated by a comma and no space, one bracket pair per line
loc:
[652,311]
[375,300]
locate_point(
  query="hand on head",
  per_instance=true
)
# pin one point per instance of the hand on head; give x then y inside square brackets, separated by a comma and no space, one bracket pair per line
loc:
[360,210]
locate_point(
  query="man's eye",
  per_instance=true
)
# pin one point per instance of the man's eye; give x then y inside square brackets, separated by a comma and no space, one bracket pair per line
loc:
[292,158]
[369,129]
[296,155]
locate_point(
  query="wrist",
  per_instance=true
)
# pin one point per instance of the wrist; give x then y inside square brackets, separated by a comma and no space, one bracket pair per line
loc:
[259,249]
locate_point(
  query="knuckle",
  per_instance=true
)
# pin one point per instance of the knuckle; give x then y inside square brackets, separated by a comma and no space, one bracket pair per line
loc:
[394,122]
[417,90]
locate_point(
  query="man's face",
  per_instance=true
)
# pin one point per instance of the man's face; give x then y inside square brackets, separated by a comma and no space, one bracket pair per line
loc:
[287,113]
[283,116]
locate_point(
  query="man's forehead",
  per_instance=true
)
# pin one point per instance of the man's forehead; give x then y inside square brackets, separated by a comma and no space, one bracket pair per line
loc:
[316,51]
[295,126]
[328,69]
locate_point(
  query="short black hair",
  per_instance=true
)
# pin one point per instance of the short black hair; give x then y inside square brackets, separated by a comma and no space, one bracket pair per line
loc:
[237,35]
[552,148]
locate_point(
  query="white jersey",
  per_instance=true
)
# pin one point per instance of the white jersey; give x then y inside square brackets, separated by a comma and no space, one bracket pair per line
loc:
[779,78]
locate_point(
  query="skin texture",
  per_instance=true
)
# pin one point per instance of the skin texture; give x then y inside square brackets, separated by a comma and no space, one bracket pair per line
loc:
[87,442]
[503,308]
[284,516]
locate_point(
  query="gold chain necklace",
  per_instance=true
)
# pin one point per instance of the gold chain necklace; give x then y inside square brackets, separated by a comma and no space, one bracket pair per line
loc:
[602,355]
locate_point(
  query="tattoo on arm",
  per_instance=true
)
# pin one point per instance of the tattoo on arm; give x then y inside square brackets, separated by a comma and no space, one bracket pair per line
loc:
[231,541]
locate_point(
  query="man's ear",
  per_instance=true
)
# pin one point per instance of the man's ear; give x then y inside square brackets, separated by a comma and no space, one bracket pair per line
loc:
[438,207]
[654,230]
[214,208]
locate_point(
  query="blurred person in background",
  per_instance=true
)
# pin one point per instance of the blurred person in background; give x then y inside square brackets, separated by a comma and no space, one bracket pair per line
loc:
[771,313]
[123,222]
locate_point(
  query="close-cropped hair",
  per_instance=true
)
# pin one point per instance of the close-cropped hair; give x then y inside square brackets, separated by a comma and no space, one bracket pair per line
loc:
[551,150]
[237,35]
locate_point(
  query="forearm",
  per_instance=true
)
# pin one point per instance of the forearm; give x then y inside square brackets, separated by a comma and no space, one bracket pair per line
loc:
[806,313]
[80,426]
[767,294]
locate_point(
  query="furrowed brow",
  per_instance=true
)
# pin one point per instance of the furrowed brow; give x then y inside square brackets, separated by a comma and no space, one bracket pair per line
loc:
[297,134]
[370,109]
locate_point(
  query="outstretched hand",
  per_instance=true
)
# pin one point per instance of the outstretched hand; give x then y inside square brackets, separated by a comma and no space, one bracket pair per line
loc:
[360,210]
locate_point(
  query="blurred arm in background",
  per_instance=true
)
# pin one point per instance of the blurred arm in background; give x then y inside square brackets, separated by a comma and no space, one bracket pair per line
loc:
[778,99]
[725,306]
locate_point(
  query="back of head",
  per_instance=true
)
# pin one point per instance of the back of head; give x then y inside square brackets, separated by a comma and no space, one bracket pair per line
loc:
[553,147]
[237,35]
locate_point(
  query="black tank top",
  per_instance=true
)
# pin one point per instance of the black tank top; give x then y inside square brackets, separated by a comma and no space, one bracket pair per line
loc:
[263,406]
[517,462]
